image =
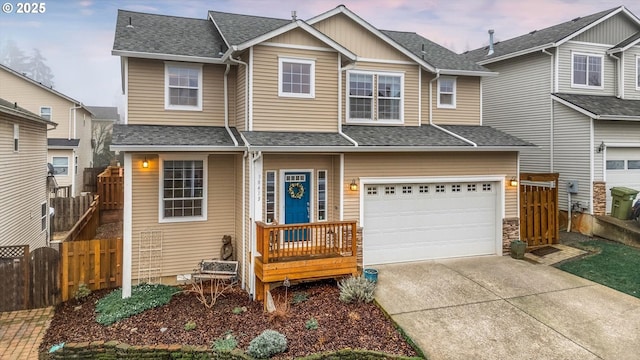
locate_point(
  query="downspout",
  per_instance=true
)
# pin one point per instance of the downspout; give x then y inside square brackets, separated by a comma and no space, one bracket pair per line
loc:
[431,114]
[252,211]
[244,216]
[246,90]
[340,70]
[551,122]
[226,105]
[618,80]
[72,121]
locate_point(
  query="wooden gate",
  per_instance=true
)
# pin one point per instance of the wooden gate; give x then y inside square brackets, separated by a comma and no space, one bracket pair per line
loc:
[539,213]
[45,277]
[14,278]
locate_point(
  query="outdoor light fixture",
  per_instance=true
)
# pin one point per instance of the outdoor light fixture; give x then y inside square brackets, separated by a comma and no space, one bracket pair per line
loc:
[353,186]
[514,182]
[145,163]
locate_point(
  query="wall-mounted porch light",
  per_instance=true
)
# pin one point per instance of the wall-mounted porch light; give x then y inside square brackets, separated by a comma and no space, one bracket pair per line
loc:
[513,182]
[145,163]
[353,186]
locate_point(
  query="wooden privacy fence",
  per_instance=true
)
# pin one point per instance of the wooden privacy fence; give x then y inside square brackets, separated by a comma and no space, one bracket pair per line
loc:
[87,225]
[90,179]
[111,188]
[539,213]
[95,263]
[69,210]
[28,280]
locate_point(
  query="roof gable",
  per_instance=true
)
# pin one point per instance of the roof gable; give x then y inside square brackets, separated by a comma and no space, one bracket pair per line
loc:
[237,29]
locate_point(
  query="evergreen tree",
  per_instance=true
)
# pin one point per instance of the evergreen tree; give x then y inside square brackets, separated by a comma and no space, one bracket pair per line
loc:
[13,57]
[38,69]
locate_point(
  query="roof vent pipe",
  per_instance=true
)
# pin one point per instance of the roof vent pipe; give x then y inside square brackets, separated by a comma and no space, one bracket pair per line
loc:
[293,15]
[129,26]
[490,43]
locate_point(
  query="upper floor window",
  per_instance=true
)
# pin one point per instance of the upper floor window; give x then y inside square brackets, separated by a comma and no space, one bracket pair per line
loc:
[447,92]
[60,165]
[183,86]
[45,112]
[296,77]
[586,70]
[388,99]
[183,189]
[16,137]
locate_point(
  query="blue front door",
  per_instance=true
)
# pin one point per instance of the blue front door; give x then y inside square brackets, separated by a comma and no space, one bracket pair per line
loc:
[297,205]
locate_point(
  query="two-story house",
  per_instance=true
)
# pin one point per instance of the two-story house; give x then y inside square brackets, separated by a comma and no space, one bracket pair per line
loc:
[24,206]
[69,144]
[288,134]
[573,89]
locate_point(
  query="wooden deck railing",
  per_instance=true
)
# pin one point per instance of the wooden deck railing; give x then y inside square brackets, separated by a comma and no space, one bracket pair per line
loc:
[285,242]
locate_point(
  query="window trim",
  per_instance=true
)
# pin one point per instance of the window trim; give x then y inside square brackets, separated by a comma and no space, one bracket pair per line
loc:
[374,98]
[16,138]
[54,165]
[326,195]
[44,212]
[50,112]
[312,77]
[205,196]
[453,93]
[587,86]
[167,104]
[274,195]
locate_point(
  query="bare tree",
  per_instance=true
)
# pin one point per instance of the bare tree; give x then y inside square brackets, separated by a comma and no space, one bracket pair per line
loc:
[101,141]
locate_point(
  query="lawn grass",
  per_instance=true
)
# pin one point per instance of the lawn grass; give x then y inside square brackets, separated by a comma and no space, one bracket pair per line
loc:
[612,264]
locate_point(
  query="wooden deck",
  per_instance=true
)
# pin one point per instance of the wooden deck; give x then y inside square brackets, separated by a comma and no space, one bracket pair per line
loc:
[304,252]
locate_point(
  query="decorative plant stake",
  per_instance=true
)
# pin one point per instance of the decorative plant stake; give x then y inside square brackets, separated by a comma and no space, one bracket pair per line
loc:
[296,190]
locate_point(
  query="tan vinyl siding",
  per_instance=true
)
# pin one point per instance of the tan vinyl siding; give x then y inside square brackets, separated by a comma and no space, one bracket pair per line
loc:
[611,32]
[467,110]
[357,39]
[572,151]
[241,100]
[185,243]
[517,101]
[274,113]
[631,88]
[297,37]
[610,132]
[313,163]
[425,165]
[146,98]
[565,65]
[24,183]
[411,89]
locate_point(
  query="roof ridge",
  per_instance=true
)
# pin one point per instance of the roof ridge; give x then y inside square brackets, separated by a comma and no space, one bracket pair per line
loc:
[257,16]
[164,15]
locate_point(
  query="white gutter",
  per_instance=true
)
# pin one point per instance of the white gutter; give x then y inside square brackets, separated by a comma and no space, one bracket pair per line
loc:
[467,72]
[176,148]
[170,57]
[226,105]
[340,70]
[515,54]
[246,89]
[438,127]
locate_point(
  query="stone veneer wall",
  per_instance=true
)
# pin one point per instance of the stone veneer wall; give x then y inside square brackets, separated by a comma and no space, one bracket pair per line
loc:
[599,198]
[510,232]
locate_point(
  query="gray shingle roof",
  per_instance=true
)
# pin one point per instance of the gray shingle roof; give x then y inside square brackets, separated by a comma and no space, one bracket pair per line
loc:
[161,34]
[536,38]
[57,142]
[164,135]
[15,107]
[238,29]
[603,105]
[104,112]
[436,55]
[628,41]
[486,135]
[273,138]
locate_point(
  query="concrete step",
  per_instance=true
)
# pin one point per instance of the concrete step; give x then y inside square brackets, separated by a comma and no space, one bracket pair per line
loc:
[623,231]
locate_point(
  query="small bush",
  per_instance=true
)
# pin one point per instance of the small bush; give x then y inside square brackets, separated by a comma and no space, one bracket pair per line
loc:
[267,344]
[82,292]
[226,343]
[190,325]
[113,307]
[239,310]
[311,324]
[356,289]
[299,297]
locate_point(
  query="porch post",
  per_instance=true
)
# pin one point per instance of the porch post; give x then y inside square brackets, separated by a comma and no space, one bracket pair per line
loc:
[126,228]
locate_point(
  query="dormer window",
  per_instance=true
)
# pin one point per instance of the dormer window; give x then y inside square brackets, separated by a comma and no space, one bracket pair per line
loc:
[296,77]
[388,99]
[183,86]
[587,71]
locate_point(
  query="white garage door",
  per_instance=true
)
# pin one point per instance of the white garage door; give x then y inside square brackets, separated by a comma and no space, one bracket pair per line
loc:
[623,169]
[408,222]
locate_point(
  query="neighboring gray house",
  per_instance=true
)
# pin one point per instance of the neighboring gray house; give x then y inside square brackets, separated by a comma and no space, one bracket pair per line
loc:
[573,89]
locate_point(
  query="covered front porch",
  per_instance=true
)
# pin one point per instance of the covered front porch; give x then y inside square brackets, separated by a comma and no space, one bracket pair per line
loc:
[305,251]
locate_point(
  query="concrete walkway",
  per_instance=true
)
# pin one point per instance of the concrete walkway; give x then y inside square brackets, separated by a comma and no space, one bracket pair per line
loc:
[21,332]
[496,307]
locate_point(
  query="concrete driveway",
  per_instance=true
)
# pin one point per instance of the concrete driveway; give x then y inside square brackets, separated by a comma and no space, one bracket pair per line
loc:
[496,307]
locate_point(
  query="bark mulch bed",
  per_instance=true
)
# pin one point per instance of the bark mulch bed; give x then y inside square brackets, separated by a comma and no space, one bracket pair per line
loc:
[340,325]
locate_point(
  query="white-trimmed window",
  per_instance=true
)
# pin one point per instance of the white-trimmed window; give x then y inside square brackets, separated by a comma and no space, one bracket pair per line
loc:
[183,86]
[45,112]
[183,188]
[447,92]
[43,216]
[60,165]
[296,77]
[385,105]
[637,72]
[322,195]
[16,137]
[270,197]
[586,70]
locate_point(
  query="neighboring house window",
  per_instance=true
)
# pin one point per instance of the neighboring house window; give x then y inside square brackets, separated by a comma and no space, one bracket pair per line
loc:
[322,195]
[447,92]
[43,216]
[45,112]
[366,105]
[16,137]
[183,86]
[183,185]
[270,210]
[587,70]
[60,165]
[296,77]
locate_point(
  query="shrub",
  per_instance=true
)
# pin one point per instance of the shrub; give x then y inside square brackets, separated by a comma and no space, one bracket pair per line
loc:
[239,310]
[113,307]
[299,297]
[356,289]
[267,344]
[82,292]
[190,325]
[226,343]
[311,324]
